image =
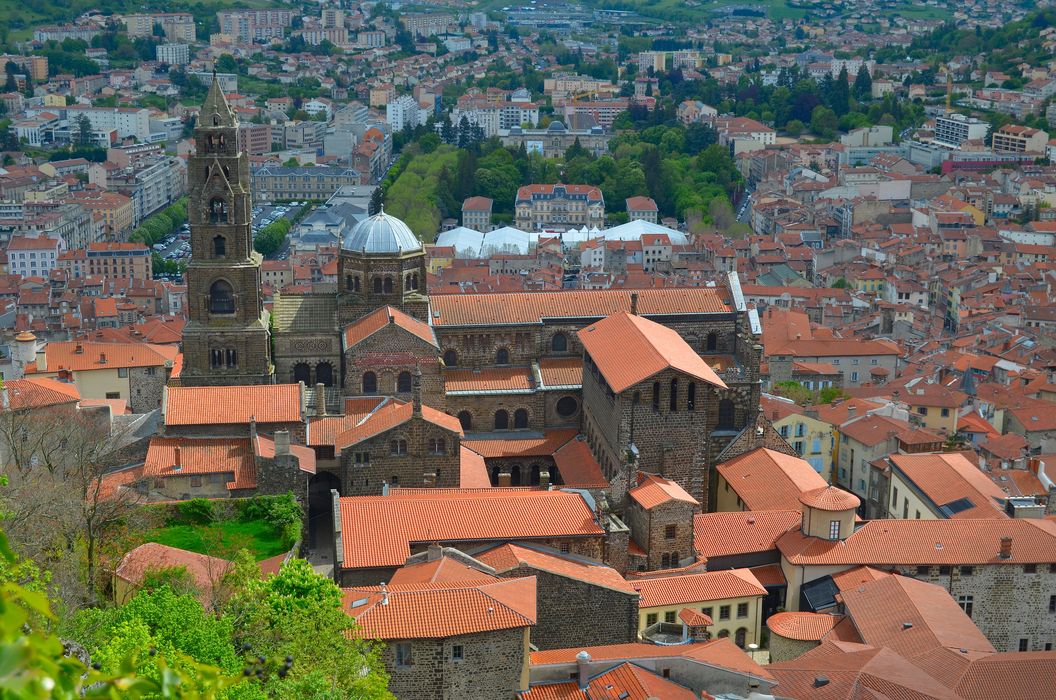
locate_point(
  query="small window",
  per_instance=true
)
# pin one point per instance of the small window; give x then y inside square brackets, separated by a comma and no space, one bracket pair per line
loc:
[967,570]
[724,612]
[388,285]
[670,532]
[566,548]
[707,611]
[403,654]
[711,341]
[370,383]
[945,570]
[122,371]
[665,561]
[656,397]
[834,529]
[669,616]
[945,413]
[1052,603]
[397,447]
[559,343]
[502,357]
[726,415]
[650,619]
[403,383]
[691,397]
[923,571]
[457,652]
[520,419]
[451,358]
[967,603]
[465,419]
[1030,568]
[113,394]
[377,285]
[672,398]
[196,482]
[1024,644]
[438,446]
[502,420]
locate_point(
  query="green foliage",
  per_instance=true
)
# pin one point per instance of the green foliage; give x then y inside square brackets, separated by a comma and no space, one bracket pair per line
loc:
[830,394]
[199,511]
[158,225]
[161,266]
[222,539]
[281,512]
[841,283]
[270,238]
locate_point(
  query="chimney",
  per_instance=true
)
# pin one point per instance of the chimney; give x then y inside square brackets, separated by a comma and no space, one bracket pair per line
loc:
[416,390]
[582,661]
[1006,548]
[851,411]
[634,303]
[428,479]
[252,427]
[282,442]
[78,349]
[544,479]
[505,478]
[177,460]
[320,399]
[434,552]
[102,358]
[384,594]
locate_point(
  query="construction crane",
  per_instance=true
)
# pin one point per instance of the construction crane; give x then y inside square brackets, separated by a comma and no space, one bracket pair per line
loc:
[949,89]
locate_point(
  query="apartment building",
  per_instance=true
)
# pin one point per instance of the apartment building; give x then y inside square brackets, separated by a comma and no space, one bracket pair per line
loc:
[178,26]
[174,54]
[275,183]
[952,130]
[255,25]
[1012,138]
[32,256]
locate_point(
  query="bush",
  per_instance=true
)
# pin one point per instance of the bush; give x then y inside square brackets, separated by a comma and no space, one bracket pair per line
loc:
[198,511]
[281,512]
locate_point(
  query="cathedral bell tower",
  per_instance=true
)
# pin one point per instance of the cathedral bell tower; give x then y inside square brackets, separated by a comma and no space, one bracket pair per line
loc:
[227,338]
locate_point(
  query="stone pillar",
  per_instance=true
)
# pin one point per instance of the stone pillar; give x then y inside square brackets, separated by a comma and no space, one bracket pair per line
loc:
[320,399]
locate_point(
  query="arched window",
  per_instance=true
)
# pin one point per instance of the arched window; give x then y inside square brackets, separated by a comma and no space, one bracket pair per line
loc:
[302,372]
[665,561]
[535,478]
[216,358]
[219,246]
[712,342]
[723,634]
[370,383]
[377,285]
[726,415]
[388,285]
[740,637]
[559,343]
[231,357]
[675,559]
[437,446]
[450,358]
[407,284]
[217,211]
[515,475]
[216,119]
[221,298]
[495,475]
[691,397]
[673,398]
[403,383]
[656,397]
[502,420]
[397,447]
[350,283]
[355,283]
[324,374]
[520,419]
[414,281]
[465,419]
[502,357]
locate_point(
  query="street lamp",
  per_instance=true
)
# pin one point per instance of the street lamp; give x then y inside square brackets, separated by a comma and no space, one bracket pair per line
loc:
[752,648]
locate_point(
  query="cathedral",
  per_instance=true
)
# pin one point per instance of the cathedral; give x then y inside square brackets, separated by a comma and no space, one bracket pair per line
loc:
[585,389]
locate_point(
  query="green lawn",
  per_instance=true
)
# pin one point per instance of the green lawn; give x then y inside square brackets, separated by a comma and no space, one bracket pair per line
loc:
[223,539]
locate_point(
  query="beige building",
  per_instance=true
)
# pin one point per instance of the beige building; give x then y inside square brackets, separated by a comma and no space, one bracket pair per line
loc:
[939,486]
[559,206]
[1012,138]
[476,213]
[178,26]
[642,208]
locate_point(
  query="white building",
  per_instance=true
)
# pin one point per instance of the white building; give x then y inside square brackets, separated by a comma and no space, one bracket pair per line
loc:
[126,121]
[32,257]
[405,112]
[952,130]
[174,54]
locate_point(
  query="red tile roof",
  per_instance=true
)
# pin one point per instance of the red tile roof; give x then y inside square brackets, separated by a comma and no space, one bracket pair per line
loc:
[205,571]
[578,467]
[226,405]
[373,322]
[428,611]
[829,498]
[802,626]
[629,349]
[561,372]
[39,392]
[934,542]
[945,478]
[378,531]
[79,356]
[489,380]
[695,588]
[389,415]
[531,308]
[169,456]
[515,446]
[768,480]
[728,534]
[653,490]
[508,557]
[472,471]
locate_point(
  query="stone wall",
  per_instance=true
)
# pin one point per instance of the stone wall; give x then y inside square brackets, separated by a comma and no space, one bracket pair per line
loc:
[145,387]
[561,604]
[419,466]
[649,528]
[483,407]
[492,667]
[784,649]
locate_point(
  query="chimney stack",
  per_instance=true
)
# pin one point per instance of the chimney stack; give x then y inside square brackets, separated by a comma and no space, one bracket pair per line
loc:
[102,358]
[582,676]
[1006,548]
[384,594]
[320,399]
[282,442]
[505,478]
[544,479]
[252,427]
[851,411]
[434,552]
[634,303]
[177,461]
[428,479]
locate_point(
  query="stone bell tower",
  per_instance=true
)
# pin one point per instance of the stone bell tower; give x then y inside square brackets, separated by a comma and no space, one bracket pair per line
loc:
[227,338]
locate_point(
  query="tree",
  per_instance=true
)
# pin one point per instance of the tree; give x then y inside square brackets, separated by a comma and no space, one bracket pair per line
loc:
[721,213]
[84,130]
[377,200]
[823,122]
[863,84]
[841,283]
[840,97]
[297,615]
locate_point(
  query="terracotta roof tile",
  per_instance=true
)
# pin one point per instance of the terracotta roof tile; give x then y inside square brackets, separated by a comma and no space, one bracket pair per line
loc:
[83,356]
[467,516]
[507,557]
[829,498]
[206,571]
[946,478]
[802,626]
[531,308]
[696,588]
[39,392]
[768,480]
[561,372]
[373,322]
[578,467]
[653,490]
[514,446]
[168,456]
[492,380]
[441,570]
[226,405]
[473,472]
[390,414]
[728,534]
[440,610]
[629,349]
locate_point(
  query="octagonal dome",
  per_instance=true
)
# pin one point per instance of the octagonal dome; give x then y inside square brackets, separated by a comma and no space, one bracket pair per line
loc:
[381,234]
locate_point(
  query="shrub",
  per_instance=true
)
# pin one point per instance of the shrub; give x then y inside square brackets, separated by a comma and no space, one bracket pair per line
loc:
[280,512]
[198,511]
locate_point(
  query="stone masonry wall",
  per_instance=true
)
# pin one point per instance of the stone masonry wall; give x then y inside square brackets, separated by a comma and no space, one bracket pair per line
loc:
[146,386]
[407,470]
